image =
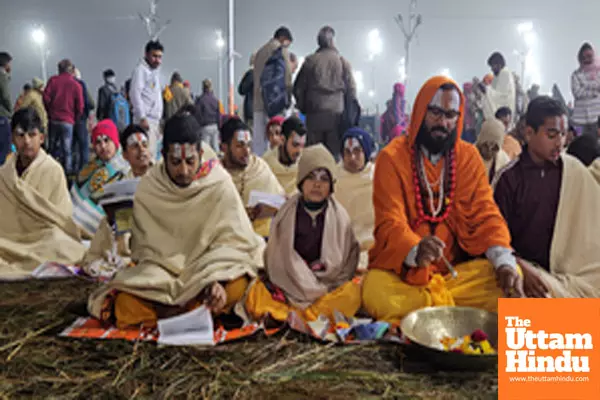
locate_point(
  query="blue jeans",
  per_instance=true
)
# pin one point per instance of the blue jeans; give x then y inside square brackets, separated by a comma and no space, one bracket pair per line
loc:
[61,143]
[5,138]
[81,146]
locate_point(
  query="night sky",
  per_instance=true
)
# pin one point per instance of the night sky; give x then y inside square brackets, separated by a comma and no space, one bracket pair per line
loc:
[456,35]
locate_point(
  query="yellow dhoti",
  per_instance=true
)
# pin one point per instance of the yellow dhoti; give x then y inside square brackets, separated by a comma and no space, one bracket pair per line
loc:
[346,299]
[387,298]
[131,310]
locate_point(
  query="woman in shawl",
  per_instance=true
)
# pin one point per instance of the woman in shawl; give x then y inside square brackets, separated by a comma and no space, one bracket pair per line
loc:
[489,143]
[312,253]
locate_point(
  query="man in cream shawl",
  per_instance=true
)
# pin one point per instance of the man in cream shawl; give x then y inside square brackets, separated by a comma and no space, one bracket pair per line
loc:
[312,253]
[37,223]
[551,202]
[489,143]
[248,171]
[354,187]
[283,160]
[108,253]
[191,239]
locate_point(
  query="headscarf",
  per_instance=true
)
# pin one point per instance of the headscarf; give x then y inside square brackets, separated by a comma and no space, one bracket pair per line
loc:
[276,120]
[106,128]
[313,158]
[492,131]
[365,140]
[422,101]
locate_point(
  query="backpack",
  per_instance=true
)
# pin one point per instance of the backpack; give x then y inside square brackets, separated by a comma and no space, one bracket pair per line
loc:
[119,111]
[272,82]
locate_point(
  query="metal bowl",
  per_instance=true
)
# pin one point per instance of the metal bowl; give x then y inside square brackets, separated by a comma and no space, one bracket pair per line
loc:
[425,328]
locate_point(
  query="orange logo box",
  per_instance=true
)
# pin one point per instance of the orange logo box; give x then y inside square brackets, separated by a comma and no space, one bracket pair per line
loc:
[549,349]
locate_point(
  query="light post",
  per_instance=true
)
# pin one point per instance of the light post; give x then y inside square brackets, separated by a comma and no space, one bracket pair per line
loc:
[375,45]
[39,37]
[220,43]
[409,29]
[527,32]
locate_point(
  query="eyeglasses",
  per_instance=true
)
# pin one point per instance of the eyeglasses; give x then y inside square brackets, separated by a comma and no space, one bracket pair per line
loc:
[438,112]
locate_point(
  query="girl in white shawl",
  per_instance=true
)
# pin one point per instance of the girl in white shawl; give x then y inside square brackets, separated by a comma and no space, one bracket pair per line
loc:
[312,253]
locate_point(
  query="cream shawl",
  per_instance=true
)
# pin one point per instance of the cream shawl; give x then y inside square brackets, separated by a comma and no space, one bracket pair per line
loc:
[575,254]
[285,175]
[256,176]
[37,223]
[288,271]
[183,239]
[355,194]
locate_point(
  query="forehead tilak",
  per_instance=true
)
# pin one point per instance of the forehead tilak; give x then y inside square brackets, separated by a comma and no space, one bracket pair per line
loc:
[352,143]
[182,151]
[446,99]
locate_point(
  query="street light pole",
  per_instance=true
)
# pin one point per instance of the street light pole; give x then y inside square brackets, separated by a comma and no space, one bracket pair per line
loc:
[39,37]
[220,45]
[414,21]
[231,57]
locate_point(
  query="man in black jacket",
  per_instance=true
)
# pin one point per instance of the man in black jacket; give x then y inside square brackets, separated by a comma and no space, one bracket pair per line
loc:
[246,90]
[105,95]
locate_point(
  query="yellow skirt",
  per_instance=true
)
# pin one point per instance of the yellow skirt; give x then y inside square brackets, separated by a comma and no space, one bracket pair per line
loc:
[131,310]
[345,299]
[387,298]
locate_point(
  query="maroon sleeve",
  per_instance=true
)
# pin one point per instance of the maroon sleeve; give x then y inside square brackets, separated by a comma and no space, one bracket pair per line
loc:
[79,100]
[48,94]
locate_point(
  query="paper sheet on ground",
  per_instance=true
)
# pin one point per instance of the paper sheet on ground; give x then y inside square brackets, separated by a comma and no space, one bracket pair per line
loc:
[49,270]
[192,328]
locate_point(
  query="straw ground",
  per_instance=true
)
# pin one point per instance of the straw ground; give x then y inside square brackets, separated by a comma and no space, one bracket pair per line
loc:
[35,363]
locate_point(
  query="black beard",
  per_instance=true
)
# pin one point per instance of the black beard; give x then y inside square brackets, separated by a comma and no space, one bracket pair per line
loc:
[436,145]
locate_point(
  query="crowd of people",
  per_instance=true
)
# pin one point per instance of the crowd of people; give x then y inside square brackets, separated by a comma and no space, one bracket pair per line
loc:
[429,220]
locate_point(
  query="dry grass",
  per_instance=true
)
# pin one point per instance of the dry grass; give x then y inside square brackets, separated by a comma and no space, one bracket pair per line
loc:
[35,363]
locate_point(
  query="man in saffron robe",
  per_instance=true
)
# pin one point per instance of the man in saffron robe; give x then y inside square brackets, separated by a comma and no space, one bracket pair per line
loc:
[434,208]
[551,202]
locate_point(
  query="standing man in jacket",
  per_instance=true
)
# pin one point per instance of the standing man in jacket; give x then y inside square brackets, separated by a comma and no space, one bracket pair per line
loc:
[208,115]
[176,96]
[319,92]
[105,94]
[81,136]
[5,105]
[64,101]
[246,90]
[146,95]
[281,39]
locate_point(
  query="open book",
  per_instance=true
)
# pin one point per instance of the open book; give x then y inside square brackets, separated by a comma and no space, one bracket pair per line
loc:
[118,192]
[192,328]
[269,203]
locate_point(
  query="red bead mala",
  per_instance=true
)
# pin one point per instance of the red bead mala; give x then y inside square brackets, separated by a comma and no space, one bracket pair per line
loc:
[422,216]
